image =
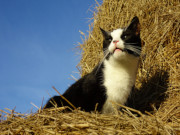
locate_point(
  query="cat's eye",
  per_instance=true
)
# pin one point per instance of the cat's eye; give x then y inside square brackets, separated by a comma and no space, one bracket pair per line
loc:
[124,37]
[109,39]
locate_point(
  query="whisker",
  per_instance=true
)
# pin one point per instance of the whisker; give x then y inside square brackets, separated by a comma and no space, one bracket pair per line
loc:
[130,43]
[135,49]
[138,47]
[100,63]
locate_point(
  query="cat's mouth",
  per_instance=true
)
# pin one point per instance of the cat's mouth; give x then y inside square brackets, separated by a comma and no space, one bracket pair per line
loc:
[118,50]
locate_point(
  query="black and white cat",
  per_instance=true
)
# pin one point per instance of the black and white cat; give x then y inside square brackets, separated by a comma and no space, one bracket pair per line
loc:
[112,79]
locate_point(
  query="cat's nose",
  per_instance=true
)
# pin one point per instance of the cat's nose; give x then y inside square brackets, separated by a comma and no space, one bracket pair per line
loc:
[115,41]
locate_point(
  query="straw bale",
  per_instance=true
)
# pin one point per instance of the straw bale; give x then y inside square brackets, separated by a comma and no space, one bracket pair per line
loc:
[154,106]
[158,78]
[54,121]
[159,73]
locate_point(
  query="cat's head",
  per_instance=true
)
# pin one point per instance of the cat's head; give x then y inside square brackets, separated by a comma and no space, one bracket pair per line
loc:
[123,42]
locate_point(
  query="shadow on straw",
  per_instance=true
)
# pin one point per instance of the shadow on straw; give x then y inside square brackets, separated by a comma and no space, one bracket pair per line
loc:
[151,94]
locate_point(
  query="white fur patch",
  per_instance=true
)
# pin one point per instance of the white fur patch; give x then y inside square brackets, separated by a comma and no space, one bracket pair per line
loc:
[119,78]
[116,35]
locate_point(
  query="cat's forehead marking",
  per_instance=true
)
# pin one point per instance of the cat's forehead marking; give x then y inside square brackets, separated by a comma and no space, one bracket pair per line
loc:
[116,34]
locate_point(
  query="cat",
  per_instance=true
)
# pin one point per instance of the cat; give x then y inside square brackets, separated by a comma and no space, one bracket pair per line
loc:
[112,80]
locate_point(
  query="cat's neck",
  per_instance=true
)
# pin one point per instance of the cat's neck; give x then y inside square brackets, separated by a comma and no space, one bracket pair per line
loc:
[130,64]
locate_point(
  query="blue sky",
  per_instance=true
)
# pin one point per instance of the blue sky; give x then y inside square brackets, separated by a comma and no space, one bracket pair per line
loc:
[37,41]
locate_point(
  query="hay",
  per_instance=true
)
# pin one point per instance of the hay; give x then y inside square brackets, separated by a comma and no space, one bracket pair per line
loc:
[158,79]
[54,121]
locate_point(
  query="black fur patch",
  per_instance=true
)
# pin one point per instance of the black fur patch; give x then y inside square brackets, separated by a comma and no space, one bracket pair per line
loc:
[85,93]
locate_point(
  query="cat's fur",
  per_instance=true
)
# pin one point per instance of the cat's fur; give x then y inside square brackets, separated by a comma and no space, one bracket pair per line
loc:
[112,79]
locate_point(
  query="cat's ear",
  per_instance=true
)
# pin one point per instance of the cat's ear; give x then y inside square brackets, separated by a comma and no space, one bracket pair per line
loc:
[134,25]
[105,33]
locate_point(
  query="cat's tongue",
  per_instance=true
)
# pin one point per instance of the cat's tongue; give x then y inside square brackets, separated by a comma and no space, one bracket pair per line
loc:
[118,50]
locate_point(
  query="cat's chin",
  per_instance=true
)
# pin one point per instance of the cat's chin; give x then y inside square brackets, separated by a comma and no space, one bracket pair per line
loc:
[119,54]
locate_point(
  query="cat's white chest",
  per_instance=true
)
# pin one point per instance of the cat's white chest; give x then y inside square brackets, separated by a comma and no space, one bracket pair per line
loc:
[118,81]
